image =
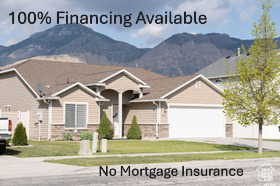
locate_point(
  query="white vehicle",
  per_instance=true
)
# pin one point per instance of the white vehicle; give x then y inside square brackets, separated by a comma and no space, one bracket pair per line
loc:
[5,133]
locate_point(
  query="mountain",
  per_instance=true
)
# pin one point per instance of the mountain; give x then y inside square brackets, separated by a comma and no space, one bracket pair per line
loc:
[181,54]
[75,40]
[184,54]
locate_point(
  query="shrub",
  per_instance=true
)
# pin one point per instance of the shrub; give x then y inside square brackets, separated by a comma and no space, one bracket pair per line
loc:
[20,137]
[105,130]
[134,131]
[67,137]
[86,136]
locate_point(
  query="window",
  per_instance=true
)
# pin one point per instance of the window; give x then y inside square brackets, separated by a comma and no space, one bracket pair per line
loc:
[75,115]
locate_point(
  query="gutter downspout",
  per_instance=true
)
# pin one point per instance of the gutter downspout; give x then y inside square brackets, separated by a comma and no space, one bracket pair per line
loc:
[50,109]
[157,118]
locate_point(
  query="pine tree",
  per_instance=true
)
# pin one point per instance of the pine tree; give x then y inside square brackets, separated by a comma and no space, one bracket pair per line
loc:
[134,131]
[20,137]
[105,130]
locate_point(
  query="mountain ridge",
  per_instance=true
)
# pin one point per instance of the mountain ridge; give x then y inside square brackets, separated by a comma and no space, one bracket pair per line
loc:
[180,54]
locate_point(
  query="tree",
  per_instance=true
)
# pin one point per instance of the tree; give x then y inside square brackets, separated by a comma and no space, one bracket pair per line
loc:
[252,97]
[134,131]
[105,130]
[20,137]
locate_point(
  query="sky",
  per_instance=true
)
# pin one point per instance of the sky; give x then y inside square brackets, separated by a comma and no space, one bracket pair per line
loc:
[232,17]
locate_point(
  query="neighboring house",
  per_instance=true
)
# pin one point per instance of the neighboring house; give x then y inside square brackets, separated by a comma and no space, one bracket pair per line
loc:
[70,97]
[219,72]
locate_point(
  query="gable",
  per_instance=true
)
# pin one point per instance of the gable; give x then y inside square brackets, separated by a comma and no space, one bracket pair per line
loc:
[197,92]
[14,92]
[121,83]
[77,94]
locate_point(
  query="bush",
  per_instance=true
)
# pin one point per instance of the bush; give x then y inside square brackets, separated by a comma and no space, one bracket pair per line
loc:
[67,137]
[86,136]
[105,130]
[134,131]
[20,137]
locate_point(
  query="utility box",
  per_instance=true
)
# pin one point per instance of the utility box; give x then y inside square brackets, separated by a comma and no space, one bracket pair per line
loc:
[39,116]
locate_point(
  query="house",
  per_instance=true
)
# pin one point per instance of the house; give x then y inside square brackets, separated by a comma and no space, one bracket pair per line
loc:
[219,72]
[64,97]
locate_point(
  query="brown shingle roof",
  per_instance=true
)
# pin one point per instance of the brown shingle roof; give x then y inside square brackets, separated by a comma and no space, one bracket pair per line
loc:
[55,76]
[59,75]
[162,86]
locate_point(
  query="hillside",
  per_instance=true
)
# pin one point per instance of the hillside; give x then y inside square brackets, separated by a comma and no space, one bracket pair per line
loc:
[181,54]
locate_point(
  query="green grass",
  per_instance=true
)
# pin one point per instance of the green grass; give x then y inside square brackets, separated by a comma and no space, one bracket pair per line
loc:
[275,140]
[45,148]
[88,162]
[64,148]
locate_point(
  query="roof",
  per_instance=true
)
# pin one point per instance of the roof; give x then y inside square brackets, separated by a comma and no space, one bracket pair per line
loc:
[221,68]
[161,86]
[54,76]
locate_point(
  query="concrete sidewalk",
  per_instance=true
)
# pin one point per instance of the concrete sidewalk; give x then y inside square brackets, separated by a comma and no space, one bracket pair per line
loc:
[269,145]
[127,155]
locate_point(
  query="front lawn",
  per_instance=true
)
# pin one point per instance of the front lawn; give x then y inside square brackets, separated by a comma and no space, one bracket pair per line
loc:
[64,148]
[88,162]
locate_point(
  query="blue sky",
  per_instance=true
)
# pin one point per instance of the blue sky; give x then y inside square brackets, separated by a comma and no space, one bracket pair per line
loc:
[233,17]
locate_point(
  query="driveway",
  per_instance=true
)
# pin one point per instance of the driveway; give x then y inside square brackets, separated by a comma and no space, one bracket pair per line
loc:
[270,145]
[13,167]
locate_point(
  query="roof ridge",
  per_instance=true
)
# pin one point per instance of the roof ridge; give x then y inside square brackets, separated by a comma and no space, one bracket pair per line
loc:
[15,64]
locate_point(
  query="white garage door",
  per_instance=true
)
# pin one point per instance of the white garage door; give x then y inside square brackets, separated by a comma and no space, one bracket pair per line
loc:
[186,122]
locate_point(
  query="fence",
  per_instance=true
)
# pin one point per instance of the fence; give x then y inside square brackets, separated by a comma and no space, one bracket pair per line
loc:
[18,117]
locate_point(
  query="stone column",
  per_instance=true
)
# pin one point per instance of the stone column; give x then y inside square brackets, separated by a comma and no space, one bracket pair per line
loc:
[120,112]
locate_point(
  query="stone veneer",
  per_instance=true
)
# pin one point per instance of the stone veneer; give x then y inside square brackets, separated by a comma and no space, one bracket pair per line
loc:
[58,131]
[149,130]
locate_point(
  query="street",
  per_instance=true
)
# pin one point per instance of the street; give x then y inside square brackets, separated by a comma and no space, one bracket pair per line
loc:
[256,172]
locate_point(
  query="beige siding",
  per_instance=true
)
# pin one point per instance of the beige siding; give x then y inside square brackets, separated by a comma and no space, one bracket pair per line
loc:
[121,83]
[163,117]
[145,113]
[76,95]
[197,92]
[15,93]
[107,108]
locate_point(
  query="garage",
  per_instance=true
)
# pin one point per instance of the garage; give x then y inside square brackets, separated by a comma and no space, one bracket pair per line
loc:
[196,121]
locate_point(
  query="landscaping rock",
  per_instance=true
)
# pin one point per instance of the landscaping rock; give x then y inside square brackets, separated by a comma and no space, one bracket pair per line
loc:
[84,148]
[94,142]
[104,145]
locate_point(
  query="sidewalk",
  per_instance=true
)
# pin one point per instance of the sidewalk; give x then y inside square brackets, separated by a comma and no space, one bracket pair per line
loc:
[126,155]
[269,145]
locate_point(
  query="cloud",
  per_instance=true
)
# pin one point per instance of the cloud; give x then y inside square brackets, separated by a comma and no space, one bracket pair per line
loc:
[151,29]
[214,11]
[10,33]
[219,12]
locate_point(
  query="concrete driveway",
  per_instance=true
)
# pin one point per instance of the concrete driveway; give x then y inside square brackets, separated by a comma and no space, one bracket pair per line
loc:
[35,167]
[270,145]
